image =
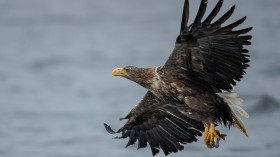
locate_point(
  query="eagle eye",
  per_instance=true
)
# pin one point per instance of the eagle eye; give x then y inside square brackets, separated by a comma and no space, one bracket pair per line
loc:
[128,68]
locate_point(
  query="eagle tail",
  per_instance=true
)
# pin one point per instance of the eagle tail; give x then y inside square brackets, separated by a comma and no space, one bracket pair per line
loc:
[235,105]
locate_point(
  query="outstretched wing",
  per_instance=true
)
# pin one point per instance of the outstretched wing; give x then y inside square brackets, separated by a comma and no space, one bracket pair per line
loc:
[159,124]
[214,51]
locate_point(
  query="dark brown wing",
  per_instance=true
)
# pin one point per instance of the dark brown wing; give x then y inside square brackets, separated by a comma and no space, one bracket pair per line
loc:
[159,124]
[216,52]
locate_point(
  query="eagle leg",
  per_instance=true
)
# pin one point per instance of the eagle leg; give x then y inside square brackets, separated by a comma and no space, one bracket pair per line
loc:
[212,136]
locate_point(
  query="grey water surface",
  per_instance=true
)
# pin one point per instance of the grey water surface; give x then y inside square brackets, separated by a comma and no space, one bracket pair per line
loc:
[56,88]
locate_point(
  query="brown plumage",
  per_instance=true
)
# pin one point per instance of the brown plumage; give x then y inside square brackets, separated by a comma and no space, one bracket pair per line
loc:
[191,92]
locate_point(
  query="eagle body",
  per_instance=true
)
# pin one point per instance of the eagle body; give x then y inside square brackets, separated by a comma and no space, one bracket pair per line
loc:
[192,92]
[166,84]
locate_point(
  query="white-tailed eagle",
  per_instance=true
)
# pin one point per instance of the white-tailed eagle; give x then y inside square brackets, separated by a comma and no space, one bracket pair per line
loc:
[192,92]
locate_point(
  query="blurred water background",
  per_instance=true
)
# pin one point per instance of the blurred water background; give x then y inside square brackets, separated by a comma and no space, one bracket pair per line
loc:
[56,88]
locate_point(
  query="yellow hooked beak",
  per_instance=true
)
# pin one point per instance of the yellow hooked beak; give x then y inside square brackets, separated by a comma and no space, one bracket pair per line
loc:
[119,72]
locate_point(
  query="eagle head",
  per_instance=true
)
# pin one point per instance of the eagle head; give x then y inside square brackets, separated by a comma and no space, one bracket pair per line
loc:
[143,76]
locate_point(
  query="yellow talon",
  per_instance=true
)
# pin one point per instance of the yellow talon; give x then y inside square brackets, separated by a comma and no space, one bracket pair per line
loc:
[210,135]
[206,132]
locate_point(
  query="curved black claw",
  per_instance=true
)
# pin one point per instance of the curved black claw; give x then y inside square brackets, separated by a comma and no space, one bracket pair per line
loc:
[216,143]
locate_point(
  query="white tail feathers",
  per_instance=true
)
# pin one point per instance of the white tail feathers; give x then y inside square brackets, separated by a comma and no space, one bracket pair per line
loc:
[235,105]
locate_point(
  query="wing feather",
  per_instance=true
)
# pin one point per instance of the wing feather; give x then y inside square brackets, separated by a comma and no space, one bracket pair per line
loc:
[213,51]
[232,25]
[200,13]
[213,13]
[185,16]
[162,125]
[224,18]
